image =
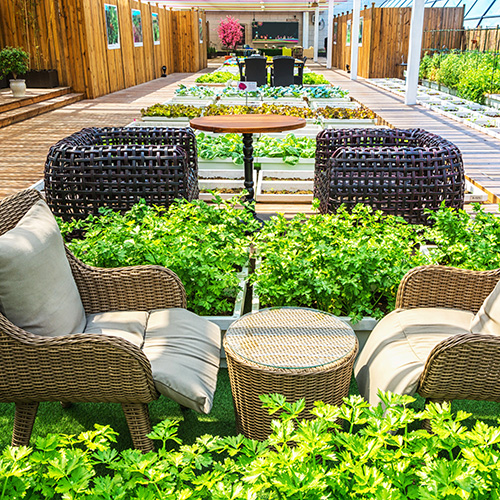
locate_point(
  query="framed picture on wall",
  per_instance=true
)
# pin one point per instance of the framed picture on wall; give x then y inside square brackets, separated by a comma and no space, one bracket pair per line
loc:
[335,31]
[112,26]
[137,28]
[156,28]
[200,27]
[360,38]
[348,33]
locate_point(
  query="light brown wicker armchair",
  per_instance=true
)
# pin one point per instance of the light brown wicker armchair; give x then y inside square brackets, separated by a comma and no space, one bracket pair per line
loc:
[84,367]
[465,366]
[432,350]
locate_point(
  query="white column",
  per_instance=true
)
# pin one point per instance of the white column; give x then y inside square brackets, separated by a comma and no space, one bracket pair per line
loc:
[356,7]
[305,29]
[316,33]
[329,47]
[415,46]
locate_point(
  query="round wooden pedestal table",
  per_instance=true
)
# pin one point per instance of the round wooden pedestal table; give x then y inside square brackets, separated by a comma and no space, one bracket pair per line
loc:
[247,125]
[294,351]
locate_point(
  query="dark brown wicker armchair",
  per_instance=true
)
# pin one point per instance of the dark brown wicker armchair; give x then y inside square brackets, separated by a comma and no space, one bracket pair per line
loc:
[401,172]
[84,367]
[464,366]
[116,167]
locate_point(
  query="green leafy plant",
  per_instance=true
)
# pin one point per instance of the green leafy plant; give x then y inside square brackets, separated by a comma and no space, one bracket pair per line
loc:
[290,149]
[13,60]
[348,264]
[314,79]
[375,454]
[360,113]
[205,245]
[326,92]
[217,77]
[195,91]
[462,240]
[173,110]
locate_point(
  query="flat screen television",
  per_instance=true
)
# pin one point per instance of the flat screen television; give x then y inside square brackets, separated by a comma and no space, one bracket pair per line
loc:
[275,32]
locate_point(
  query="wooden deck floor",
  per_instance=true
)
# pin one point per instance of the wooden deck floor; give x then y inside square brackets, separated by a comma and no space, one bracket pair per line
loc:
[24,146]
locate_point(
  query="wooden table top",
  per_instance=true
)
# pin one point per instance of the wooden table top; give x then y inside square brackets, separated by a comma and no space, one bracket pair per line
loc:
[247,124]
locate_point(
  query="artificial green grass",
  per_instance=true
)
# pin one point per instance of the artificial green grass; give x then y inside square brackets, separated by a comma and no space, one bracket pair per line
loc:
[52,418]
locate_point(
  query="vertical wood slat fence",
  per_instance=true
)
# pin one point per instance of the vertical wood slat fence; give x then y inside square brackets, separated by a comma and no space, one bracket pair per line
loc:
[70,36]
[385,38]
[481,39]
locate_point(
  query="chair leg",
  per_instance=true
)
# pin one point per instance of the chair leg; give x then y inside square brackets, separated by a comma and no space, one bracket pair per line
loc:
[66,404]
[24,418]
[137,415]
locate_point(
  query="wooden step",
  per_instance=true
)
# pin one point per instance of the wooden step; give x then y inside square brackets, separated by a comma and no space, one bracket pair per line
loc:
[8,103]
[37,108]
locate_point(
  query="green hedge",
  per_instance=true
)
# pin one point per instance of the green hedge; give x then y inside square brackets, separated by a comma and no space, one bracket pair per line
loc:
[374,455]
[473,74]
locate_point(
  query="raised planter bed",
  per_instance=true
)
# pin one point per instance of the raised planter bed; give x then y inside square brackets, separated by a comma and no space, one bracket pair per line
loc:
[310,130]
[239,101]
[219,164]
[42,79]
[298,180]
[194,101]
[285,101]
[474,194]
[164,121]
[333,104]
[351,123]
[273,164]
[213,180]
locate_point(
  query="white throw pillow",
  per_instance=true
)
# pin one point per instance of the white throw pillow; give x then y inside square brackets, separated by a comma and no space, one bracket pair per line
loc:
[487,319]
[37,290]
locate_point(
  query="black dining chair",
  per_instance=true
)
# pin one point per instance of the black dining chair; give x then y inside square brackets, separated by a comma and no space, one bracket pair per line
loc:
[282,72]
[255,70]
[299,77]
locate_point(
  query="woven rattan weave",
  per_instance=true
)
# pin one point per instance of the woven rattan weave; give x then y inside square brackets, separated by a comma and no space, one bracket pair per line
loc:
[297,352]
[116,167]
[463,366]
[84,367]
[401,172]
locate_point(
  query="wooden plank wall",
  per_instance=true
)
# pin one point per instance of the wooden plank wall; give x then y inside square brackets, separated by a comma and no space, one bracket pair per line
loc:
[385,38]
[70,36]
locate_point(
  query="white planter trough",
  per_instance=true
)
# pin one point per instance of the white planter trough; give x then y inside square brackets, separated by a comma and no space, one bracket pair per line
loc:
[219,164]
[224,322]
[239,101]
[285,101]
[267,164]
[298,180]
[214,181]
[351,123]
[164,121]
[222,174]
[193,101]
[333,104]
[475,194]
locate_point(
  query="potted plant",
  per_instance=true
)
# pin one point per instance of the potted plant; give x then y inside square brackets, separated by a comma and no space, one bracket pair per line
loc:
[229,32]
[14,60]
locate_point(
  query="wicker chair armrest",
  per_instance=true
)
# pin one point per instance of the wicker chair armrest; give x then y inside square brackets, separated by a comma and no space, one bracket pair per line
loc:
[136,288]
[443,286]
[463,366]
[78,367]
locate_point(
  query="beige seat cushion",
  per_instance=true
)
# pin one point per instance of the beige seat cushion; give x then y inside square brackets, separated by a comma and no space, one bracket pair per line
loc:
[37,290]
[184,351]
[129,325]
[487,319]
[395,353]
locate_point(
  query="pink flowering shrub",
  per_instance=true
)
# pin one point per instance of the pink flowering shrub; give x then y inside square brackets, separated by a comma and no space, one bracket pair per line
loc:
[230,32]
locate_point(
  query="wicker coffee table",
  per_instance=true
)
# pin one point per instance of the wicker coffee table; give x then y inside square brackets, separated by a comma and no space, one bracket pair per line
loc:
[297,352]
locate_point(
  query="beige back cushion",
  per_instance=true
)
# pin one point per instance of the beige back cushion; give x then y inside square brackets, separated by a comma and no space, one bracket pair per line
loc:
[487,319]
[37,289]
